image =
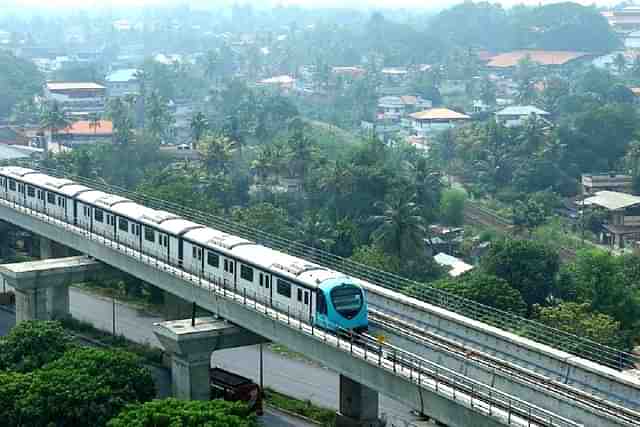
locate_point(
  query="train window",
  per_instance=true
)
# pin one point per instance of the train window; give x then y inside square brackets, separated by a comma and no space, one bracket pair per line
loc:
[284,288]
[261,280]
[40,195]
[149,235]
[98,215]
[166,241]
[246,273]
[21,188]
[300,295]
[213,260]
[306,298]
[135,229]
[123,224]
[226,265]
[347,299]
[31,192]
[267,282]
[51,198]
[12,185]
[321,303]
[197,252]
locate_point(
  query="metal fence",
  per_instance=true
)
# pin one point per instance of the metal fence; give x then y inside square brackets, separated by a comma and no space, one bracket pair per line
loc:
[476,396]
[536,331]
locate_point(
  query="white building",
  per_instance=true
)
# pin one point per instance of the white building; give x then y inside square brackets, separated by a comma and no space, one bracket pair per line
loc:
[517,115]
[428,122]
[123,82]
[76,97]
[456,265]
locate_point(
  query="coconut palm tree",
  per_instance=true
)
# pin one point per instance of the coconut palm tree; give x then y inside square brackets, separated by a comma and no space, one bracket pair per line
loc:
[217,152]
[94,122]
[337,181]
[199,125]
[620,62]
[400,228]
[53,119]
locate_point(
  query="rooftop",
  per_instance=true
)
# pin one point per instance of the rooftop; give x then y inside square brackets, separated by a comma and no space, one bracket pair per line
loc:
[542,57]
[439,114]
[8,152]
[85,127]
[457,265]
[123,75]
[521,110]
[612,200]
[278,80]
[73,86]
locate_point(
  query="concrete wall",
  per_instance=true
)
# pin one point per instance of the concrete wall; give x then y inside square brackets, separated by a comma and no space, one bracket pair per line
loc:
[540,358]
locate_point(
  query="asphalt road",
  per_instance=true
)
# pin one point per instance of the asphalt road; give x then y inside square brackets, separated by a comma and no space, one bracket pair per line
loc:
[299,378]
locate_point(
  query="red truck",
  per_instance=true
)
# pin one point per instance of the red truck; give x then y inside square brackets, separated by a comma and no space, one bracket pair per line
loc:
[232,387]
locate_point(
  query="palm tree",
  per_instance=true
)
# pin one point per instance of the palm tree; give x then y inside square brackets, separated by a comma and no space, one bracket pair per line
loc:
[301,149]
[53,119]
[400,227]
[211,64]
[217,153]
[620,62]
[316,232]
[337,181]
[199,126]
[635,67]
[94,122]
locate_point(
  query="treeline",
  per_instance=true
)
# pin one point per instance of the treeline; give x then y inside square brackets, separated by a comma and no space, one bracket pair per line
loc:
[597,296]
[46,379]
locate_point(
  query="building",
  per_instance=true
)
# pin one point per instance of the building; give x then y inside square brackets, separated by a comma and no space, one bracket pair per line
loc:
[593,183]
[397,107]
[283,83]
[625,19]
[623,216]
[123,82]
[455,265]
[427,122]
[76,97]
[517,115]
[84,132]
[547,58]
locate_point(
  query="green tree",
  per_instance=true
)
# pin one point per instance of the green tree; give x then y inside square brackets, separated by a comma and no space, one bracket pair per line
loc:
[32,344]
[180,413]
[199,125]
[452,206]
[20,81]
[158,118]
[121,116]
[528,266]
[485,289]
[528,215]
[400,227]
[374,256]
[217,154]
[580,320]
[620,62]
[53,119]
[94,122]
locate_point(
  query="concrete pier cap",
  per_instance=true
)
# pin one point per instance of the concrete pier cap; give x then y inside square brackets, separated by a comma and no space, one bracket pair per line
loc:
[190,346]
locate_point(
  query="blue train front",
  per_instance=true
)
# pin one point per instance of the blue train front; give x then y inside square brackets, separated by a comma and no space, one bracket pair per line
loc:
[341,304]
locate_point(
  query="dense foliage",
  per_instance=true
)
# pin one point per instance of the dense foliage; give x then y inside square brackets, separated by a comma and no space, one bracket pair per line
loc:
[179,413]
[47,381]
[20,81]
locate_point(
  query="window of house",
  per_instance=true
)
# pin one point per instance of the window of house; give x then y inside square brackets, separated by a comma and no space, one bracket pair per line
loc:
[123,224]
[213,259]
[246,273]
[284,288]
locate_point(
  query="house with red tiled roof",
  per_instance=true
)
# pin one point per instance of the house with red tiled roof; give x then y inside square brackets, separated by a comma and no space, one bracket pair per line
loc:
[87,132]
[547,58]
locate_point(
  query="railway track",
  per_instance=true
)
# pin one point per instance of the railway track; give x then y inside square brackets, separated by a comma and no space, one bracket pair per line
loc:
[553,387]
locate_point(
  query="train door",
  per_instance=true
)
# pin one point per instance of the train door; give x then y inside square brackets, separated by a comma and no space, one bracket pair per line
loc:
[40,202]
[109,228]
[264,287]
[321,316]
[84,217]
[196,259]
[228,276]
[12,190]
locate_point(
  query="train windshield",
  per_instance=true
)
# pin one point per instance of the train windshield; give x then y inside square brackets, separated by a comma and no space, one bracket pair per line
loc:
[347,299]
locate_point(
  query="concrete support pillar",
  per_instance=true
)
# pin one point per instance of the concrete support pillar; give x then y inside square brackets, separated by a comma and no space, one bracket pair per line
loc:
[58,302]
[31,304]
[190,376]
[190,347]
[358,405]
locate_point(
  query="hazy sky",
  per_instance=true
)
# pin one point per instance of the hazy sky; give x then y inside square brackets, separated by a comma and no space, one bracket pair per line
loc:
[340,3]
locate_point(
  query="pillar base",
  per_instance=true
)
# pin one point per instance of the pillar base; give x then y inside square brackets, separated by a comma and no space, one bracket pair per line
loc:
[344,421]
[190,376]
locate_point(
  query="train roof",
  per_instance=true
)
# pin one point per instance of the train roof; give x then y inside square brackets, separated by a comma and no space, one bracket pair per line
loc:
[59,185]
[15,171]
[275,261]
[131,210]
[178,226]
[216,238]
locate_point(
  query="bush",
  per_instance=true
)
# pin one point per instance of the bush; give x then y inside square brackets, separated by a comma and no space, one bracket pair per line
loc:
[30,345]
[180,413]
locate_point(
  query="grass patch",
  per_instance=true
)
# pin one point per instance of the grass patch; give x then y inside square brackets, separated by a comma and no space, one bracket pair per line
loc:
[305,408]
[283,351]
[150,354]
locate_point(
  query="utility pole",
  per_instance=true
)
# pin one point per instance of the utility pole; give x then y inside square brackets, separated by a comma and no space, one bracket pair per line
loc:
[113,314]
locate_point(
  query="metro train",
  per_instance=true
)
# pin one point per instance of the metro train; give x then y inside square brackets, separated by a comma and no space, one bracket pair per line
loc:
[331,300]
